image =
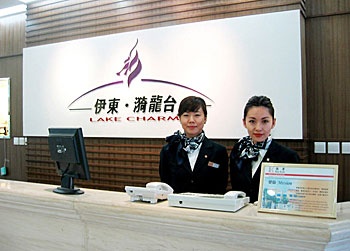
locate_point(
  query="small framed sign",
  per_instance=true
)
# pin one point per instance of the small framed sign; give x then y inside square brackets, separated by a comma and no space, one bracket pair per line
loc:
[299,189]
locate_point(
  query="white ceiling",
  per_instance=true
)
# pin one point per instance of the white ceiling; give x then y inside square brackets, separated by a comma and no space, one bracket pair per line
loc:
[9,3]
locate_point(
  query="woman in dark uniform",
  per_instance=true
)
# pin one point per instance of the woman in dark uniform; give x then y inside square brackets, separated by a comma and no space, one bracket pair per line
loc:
[250,151]
[190,162]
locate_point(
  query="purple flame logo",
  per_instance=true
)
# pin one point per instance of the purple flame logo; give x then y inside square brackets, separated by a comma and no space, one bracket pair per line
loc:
[130,63]
[132,68]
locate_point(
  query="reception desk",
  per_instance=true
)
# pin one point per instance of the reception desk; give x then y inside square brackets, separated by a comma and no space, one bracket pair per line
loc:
[35,218]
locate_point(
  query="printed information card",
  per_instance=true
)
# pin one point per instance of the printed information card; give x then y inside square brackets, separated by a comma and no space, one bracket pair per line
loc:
[299,189]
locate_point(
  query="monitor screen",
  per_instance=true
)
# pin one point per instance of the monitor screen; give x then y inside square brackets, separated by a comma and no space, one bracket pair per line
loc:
[67,149]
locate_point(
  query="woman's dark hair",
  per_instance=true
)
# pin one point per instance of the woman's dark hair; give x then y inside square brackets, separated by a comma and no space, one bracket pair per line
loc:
[192,104]
[259,101]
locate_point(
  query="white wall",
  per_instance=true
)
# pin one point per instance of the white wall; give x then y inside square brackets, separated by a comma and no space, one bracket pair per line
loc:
[224,61]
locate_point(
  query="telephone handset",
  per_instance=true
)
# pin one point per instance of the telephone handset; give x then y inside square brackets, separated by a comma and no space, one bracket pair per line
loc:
[153,192]
[160,186]
[234,195]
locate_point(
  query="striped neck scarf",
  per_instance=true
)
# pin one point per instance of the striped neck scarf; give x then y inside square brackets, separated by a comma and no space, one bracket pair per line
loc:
[248,150]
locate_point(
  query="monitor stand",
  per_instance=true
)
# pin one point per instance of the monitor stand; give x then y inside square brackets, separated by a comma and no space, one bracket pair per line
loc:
[67,186]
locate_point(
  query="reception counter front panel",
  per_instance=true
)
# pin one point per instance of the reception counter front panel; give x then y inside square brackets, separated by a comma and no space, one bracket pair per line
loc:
[35,218]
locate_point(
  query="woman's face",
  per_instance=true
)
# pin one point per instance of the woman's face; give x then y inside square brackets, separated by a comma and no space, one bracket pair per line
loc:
[259,123]
[193,122]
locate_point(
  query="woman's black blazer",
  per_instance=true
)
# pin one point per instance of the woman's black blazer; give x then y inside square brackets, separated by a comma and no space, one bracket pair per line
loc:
[241,170]
[210,173]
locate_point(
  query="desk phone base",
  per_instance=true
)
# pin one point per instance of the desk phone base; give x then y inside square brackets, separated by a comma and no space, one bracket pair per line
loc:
[208,201]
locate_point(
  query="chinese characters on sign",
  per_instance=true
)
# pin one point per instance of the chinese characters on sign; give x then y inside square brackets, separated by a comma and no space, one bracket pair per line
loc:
[155,104]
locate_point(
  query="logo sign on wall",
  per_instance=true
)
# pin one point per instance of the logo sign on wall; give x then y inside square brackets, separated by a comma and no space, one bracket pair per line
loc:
[131,84]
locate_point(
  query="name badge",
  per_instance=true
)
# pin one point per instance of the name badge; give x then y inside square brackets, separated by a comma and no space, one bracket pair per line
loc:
[212,164]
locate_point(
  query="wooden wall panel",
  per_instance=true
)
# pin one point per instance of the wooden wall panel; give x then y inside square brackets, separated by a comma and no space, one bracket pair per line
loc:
[328,64]
[328,83]
[114,163]
[55,21]
[12,31]
[12,67]
[322,8]
[11,43]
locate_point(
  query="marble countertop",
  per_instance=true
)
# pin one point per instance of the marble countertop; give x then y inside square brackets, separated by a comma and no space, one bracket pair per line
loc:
[99,209]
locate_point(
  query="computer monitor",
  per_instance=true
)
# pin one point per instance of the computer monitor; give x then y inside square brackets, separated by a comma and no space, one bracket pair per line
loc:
[67,149]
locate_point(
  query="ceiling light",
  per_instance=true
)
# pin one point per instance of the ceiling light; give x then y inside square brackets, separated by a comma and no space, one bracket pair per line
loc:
[27,1]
